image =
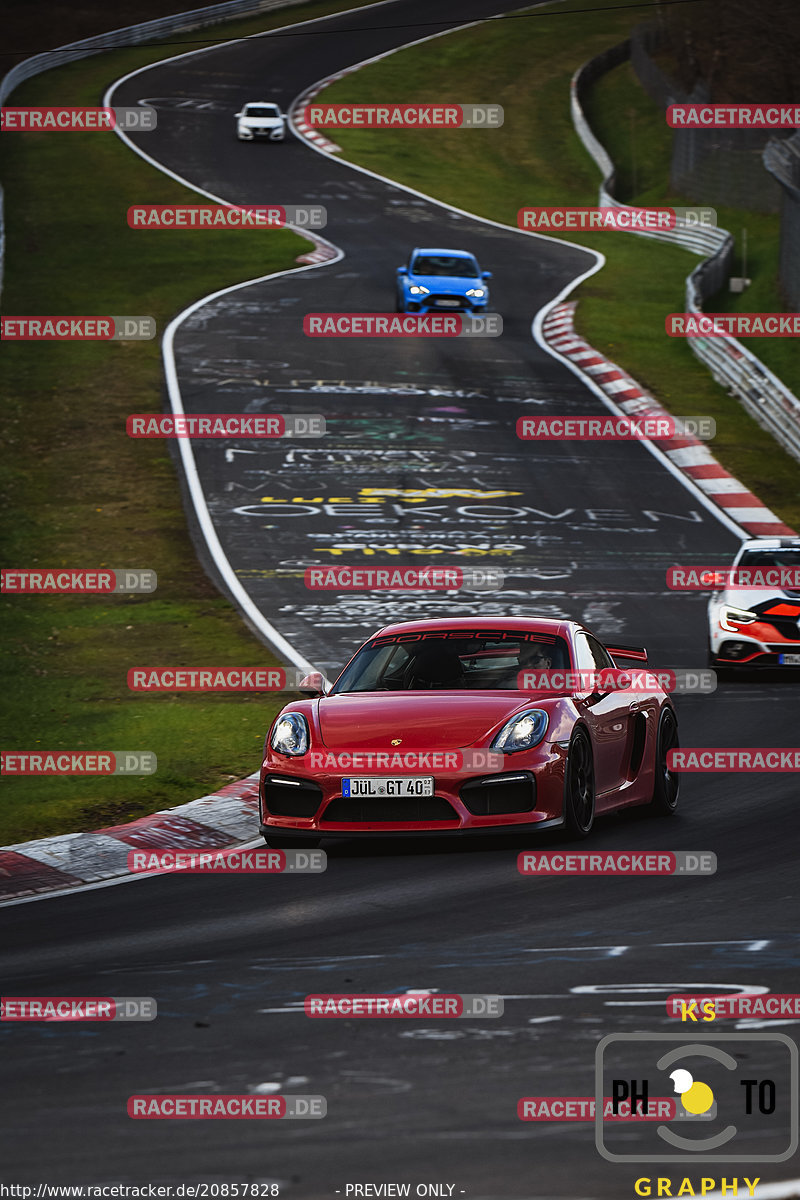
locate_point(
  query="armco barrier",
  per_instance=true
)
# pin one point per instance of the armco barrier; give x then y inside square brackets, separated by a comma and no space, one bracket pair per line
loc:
[760,392]
[134,35]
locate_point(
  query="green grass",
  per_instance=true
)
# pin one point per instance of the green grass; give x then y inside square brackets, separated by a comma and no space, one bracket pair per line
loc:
[535,158]
[77,492]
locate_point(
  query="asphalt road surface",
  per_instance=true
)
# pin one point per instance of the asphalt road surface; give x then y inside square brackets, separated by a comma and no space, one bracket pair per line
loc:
[584,530]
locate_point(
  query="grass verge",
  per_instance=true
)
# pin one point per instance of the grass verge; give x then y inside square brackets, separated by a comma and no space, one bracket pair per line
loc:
[77,492]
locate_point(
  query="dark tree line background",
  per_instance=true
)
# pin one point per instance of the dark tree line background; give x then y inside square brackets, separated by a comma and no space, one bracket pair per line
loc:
[745,50]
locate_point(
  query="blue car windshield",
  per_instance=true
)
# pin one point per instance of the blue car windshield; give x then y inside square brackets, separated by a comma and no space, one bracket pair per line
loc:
[444,264]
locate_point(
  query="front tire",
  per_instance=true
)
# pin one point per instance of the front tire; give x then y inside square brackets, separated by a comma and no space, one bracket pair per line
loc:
[285,841]
[579,786]
[666,784]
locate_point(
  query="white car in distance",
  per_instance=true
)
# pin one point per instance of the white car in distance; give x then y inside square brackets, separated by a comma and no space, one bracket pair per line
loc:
[260,120]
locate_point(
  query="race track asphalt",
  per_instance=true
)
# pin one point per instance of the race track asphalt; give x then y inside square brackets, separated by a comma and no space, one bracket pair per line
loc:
[230,959]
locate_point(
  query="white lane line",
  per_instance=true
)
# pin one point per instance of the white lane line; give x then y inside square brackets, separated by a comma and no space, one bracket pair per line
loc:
[784,1190]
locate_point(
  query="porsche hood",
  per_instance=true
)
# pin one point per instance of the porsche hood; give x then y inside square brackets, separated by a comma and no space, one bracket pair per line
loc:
[438,720]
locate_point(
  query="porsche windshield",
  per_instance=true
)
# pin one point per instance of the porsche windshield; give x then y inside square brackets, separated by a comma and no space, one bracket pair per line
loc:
[444,264]
[479,662]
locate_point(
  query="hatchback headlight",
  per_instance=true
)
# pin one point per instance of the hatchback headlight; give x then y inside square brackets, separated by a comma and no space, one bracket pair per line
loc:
[290,735]
[417,289]
[476,292]
[522,732]
[741,616]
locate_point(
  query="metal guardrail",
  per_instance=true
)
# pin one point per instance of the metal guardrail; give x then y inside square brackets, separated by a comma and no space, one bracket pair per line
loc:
[134,35]
[760,392]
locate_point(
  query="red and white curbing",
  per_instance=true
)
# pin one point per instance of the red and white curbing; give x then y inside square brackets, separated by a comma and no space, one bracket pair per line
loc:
[304,128]
[688,454]
[321,254]
[310,132]
[225,818]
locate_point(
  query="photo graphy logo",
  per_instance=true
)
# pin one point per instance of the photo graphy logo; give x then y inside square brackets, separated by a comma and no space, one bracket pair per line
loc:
[736,1096]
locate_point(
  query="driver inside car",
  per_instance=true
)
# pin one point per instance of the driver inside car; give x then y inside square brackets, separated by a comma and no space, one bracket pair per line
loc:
[434,668]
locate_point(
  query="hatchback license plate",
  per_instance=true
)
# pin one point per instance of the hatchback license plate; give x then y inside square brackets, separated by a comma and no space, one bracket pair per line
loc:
[448,303]
[381,785]
[789,660]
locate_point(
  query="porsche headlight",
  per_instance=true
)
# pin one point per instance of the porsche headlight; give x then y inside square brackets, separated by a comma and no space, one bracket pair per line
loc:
[741,616]
[522,732]
[476,292]
[417,289]
[290,735]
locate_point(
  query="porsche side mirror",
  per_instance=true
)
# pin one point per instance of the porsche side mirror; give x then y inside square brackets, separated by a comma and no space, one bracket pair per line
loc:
[312,685]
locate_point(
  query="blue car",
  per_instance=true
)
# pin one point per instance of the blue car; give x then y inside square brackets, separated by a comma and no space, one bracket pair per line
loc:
[436,280]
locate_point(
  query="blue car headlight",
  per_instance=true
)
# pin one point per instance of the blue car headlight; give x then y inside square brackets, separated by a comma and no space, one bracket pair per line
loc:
[476,292]
[522,732]
[290,735]
[417,289]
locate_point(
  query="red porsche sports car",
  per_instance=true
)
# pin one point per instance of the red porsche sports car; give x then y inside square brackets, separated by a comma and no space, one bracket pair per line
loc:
[427,730]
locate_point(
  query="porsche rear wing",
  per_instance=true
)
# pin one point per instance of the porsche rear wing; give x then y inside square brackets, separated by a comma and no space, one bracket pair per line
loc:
[623,655]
